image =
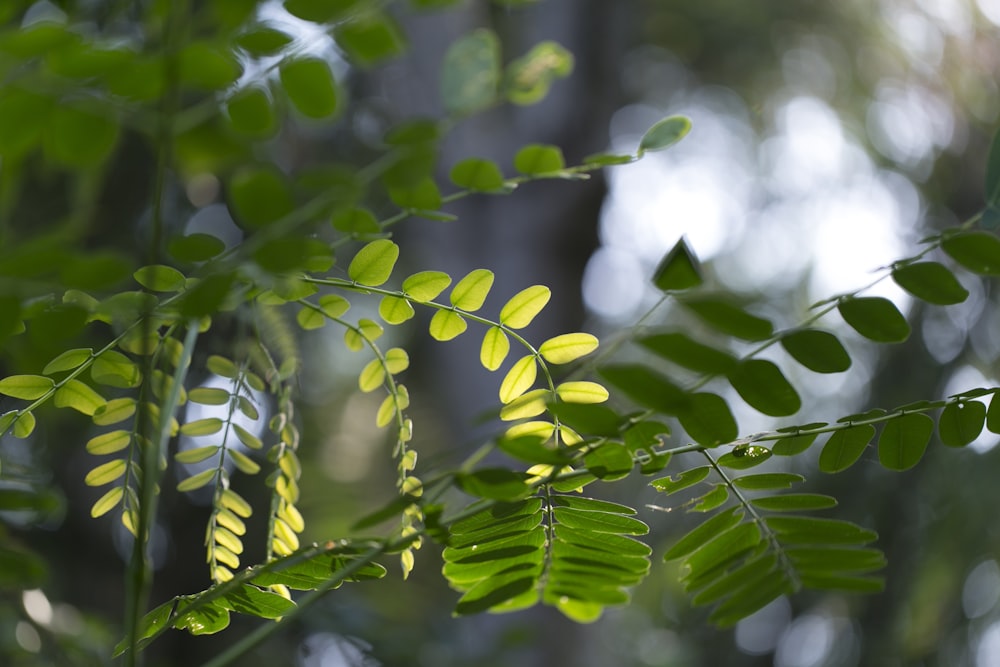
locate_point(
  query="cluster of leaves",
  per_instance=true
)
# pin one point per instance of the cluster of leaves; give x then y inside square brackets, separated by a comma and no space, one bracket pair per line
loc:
[210,105]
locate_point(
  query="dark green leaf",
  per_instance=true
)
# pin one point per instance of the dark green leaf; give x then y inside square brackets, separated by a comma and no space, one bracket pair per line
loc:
[608,542]
[845,447]
[809,530]
[79,138]
[764,387]
[817,350]
[592,419]
[259,196]
[478,175]
[196,247]
[470,75]
[703,533]
[749,600]
[993,414]
[256,602]
[768,481]
[645,386]
[707,419]
[842,583]
[829,559]
[205,66]
[310,87]
[723,547]
[263,41]
[711,500]
[494,483]
[961,423]
[496,590]
[251,113]
[206,297]
[205,620]
[679,269]
[583,503]
[979,252]
[609,462]
[904,440]
[601,522]
[539,160]
[149,625]
[664,134]
[370,38]
[681,481]
[683,351]
[875,318]
[729,318]
[930,281]
[322,11]
[532,449]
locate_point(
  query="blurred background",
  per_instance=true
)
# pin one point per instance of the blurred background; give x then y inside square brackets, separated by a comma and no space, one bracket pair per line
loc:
[828,139]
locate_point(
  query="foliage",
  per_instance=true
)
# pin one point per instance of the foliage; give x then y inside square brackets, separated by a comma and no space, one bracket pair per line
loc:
[318,244]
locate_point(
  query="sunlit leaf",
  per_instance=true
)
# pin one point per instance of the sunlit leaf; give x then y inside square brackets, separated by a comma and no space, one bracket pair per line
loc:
[447,324]
[426,285]
[107,502]
[197,481]
[372,376]
[160,278]
[75,394]
[26,387]
[519,378]
[373,264]
[568,347]
[109,443]
[68,360]
[527,79]
[470,292]
[196,454]
[581,392]
[395,310]
[522,308]
[681,481]
[494,349]
[105,473]
[205,426]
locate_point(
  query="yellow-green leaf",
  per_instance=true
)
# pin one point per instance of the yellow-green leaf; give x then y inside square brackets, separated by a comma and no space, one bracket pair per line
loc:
[197,481]
[109,443]
[395,310]
[446,324]
[206,426]
[24,426]
[386,412]
[397,360]
[582,392]
[114,411]
[372,376]
[373,264]
[246,465]
[209,396]
[160,278]
[568,347]
[222,366]
[247,438]
[75,394]
[527,405]
[495,348]
[114,369]
[334,305]
[68,360]
[235,503]
[310,318]
[26,387]
[470,292]
[426,285]
[519,378]
[196,454]
[107,502]
[105,473]
[524,306]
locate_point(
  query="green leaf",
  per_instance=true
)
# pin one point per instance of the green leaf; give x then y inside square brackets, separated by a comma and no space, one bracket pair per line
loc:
[247,438]
[205,620]
[222,366]
[196,454]
[794,502]
[209,396]
[993,414]
[832,559]
[707,419]
[768,481]
[80,139]
[322,11]
[744,457]
[711,500]
[114,369]
[256,602]
[519,378]
[195,247]
[259,195]
[581,392]
[422,198]
[683,351]
[904,441]
[470,74]
[764,387]
[723,547]
[495,484]
[664,134]
[645,386]
[197,481]
[207,67]
[845,447]
[809,530]
[532,449]
[729,318]
[528,78]
[355,221]
[522,308]
[109,443]
[24,426]
[370,38]
[205,426]
[107,502]
[961,423]
[478,175]
[608,159]
[817,350]
[245,464]
[68,360]
[930,281]
[568,347]
[75,394]
[793,445]
[679,269]
[263,41]
[395,310]
[494,349]
[539,160]
[105,473]
[470,292]
[447,324]
[979,252]
[26,387]
[334,305]
[426,285]
[681,481]
[609,462]
[373,264]
[310,87]
[600,522]
[875,318]
[23,118]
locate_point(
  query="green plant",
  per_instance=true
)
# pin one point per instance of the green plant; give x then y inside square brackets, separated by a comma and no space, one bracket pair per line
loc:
[204,89]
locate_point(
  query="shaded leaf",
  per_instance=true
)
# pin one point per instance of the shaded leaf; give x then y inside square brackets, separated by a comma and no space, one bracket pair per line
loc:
[539,160]
[817,350]
[961,423]
[470,75]
[679,269]
[478,175]
[904,441]
[707,419]
[683,351]
[794,502]
[764,387]
[930,281]
[681,481]
[729,318]
[768,481]
[310,87]
[26,387]
[845,447]
[977,251]
[495,483]
[664,133]
[875,318]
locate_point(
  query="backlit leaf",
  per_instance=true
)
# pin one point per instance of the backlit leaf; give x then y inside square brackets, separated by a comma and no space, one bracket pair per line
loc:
[904,440]
[794,502]
[522,308]
[792,445]
[744,457]
[105,473]
[519,378]
[470,292]
[395,310]
[259,195]
[707,418]
[711,500]
[581,392]
[68,360]
[817,350]
[196,454]
[372,376]
[809,530]
[447,324]
[681,481]
[373,264]
[197,481]
[114,369]
[664,134]
[26,387]
[845,447]
[609,462]
[160,278]
[426,285]
[75,394]
[764,387]
[494,349]
[930,281]
[107,502]
[109,443]
[568,347]
[205,426]
[768,481]
[875,318]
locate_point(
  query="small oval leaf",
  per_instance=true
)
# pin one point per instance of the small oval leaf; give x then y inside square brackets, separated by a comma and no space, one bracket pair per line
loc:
[875,318]
[373,264]
[817,350]
[845,447]
[664,134]
[522,308]
[470,292]
[519,378]
[930,281]
[495,348]
[568,347]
